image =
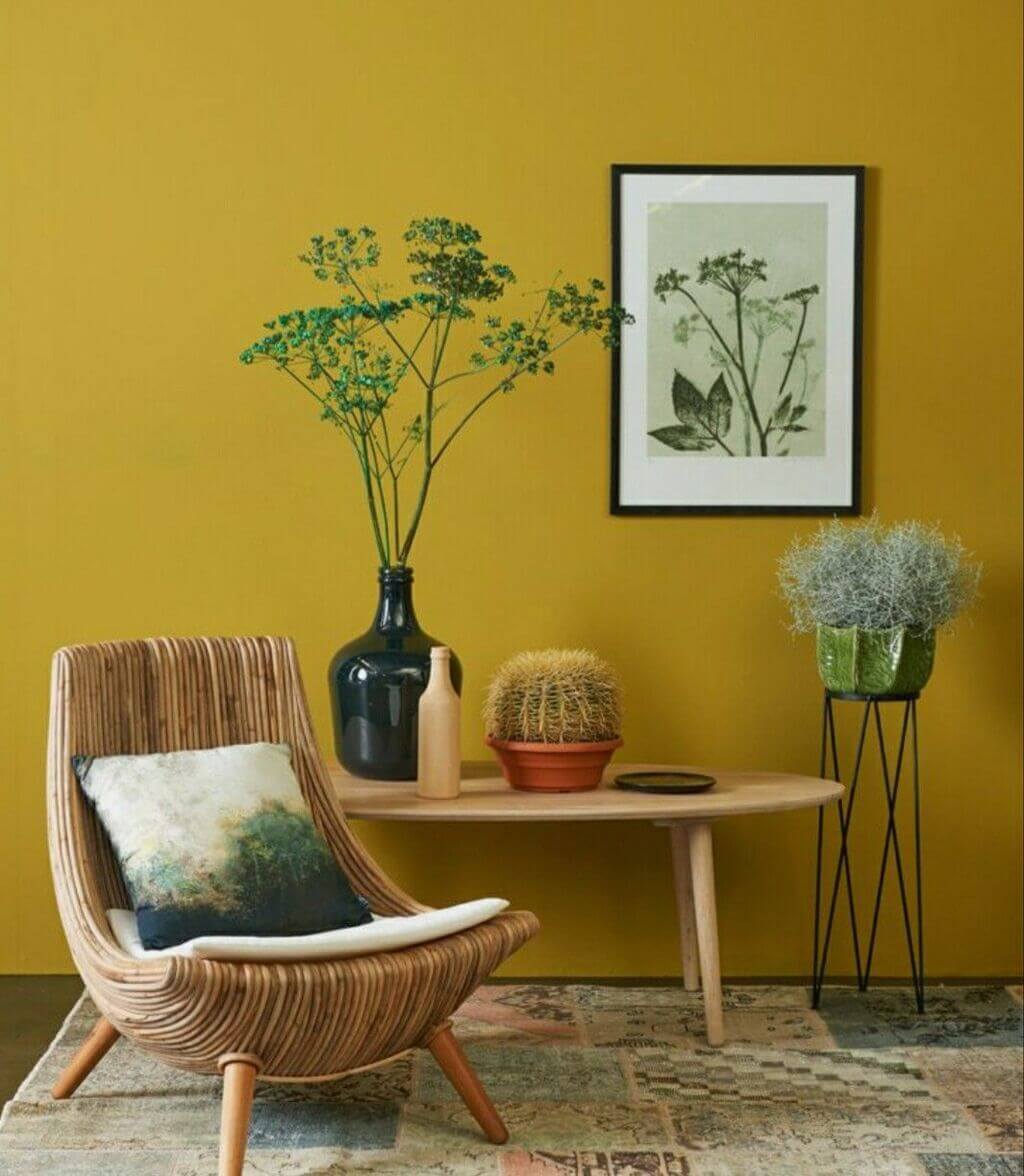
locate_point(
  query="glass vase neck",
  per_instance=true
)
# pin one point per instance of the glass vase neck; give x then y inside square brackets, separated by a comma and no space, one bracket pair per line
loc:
[395,614]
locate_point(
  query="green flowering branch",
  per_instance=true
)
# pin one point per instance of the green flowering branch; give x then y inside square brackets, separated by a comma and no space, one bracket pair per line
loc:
[355,357]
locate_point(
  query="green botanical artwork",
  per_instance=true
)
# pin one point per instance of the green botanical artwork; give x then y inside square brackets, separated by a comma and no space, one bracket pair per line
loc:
[736,344]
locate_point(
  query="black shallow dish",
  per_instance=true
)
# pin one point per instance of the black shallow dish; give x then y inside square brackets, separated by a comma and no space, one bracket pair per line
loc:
[667,783]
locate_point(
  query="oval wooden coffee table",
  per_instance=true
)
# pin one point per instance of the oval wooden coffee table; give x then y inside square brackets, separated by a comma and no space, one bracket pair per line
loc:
[486,796]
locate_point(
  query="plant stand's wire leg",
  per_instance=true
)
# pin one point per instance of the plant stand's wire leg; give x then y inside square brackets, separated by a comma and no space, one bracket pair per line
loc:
[843,864]
[917,856]
[847,868]
[890,793]
[890,834]
[817,860]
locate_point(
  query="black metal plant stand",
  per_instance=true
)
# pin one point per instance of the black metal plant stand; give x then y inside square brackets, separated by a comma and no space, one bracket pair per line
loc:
[891,780]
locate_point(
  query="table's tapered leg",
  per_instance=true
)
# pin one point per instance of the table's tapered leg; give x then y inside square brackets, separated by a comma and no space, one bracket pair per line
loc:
[702,872]
[684,905]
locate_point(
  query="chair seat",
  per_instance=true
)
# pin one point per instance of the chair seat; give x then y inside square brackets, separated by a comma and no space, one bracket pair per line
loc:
[385,933]
[310,1018]
[287,1020]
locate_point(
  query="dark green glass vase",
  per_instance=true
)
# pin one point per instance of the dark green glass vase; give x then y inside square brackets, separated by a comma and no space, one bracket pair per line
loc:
[376,682]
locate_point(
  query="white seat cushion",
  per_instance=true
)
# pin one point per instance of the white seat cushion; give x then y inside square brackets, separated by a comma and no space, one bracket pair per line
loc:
[383,934]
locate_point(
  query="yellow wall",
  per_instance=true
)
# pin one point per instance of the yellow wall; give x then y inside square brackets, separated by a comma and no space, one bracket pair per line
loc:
[166,163]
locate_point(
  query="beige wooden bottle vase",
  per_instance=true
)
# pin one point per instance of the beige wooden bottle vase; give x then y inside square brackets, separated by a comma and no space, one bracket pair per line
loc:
[438,748]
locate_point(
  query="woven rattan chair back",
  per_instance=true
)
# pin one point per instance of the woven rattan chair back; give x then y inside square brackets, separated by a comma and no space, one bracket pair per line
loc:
[173,694]
[296,1022]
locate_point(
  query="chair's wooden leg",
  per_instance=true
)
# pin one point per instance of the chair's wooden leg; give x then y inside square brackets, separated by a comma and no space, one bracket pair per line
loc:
[702,868]
[462,1076]
[93,1049]
[684,905]
[239,1072]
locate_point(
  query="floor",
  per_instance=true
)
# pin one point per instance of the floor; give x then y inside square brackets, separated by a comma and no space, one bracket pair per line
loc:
[593,1080]
[31,1011]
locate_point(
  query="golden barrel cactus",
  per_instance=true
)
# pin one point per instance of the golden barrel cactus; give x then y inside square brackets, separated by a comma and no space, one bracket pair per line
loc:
[554,696]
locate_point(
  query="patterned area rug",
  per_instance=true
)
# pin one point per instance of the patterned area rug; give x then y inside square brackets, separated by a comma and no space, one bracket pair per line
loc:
[592,1081]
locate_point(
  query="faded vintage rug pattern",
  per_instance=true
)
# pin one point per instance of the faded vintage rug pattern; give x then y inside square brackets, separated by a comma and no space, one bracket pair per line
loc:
[592,1081]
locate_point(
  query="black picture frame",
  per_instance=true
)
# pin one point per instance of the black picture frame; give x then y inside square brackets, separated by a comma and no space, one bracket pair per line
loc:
[857,172]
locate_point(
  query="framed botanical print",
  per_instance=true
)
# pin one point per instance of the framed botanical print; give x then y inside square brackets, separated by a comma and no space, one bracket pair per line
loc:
[737,388]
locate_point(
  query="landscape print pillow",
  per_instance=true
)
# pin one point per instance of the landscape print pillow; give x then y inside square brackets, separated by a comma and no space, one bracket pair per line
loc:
[218,842]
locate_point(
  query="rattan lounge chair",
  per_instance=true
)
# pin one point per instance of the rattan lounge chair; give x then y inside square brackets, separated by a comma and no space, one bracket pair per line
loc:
[281,1022]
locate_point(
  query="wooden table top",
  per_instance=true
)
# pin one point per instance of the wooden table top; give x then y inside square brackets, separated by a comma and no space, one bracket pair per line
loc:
[486,796]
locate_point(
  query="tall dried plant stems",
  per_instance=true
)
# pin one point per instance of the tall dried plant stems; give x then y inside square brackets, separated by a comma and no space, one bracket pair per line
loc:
[554,696]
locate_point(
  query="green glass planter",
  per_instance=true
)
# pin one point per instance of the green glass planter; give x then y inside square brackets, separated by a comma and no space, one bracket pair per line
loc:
[875,661]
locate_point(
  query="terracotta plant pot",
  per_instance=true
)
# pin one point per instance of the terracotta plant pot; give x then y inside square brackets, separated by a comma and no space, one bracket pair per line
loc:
[553,767]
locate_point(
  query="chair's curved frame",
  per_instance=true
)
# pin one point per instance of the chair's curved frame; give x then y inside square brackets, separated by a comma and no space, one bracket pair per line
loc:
[290,1022]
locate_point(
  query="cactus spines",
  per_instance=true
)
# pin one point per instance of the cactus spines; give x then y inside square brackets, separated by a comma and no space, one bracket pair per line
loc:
[554,696]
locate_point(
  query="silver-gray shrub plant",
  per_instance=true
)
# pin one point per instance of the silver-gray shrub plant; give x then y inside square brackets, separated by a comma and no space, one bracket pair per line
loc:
[871,576]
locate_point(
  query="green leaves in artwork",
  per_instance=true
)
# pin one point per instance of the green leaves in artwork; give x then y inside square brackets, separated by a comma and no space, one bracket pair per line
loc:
[742,336]
[682,437]
[786,417]
[719,407]
[703,420]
